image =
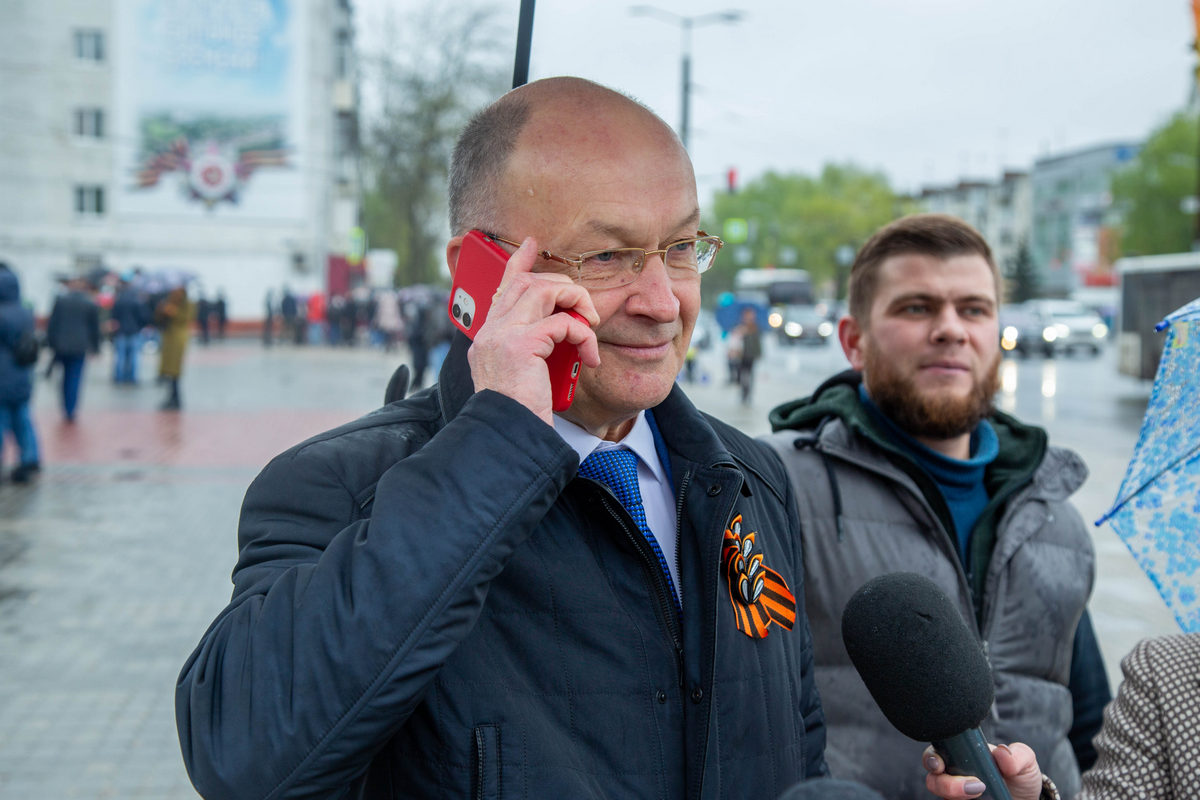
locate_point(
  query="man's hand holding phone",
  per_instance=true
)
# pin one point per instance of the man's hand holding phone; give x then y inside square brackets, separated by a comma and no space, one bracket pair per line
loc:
[532,330]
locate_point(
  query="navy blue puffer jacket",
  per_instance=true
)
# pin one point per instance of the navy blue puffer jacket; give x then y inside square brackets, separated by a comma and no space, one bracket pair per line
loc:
[430,603]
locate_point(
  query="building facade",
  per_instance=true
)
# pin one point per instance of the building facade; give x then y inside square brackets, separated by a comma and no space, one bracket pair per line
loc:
[215,140]
[1000,210]
[1074,221]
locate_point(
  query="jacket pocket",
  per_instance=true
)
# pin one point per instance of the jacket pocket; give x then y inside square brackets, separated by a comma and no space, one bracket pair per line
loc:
[485,777]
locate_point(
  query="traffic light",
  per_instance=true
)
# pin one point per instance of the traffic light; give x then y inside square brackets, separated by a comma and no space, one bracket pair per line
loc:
[731,179]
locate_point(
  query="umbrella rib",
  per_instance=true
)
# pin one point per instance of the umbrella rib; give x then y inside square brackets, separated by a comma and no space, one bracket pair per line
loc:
[1122,501]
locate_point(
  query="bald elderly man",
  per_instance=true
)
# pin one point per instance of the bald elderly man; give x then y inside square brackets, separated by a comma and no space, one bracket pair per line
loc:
[465,594]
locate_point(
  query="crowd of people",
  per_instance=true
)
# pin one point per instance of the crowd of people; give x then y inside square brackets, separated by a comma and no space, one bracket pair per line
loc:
[375,317]
[85,311]
[137,312]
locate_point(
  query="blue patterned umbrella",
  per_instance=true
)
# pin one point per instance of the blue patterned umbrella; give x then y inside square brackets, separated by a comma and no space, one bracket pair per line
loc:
[1157,510]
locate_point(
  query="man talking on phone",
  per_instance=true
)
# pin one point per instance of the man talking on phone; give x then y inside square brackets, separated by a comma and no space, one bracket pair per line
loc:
[465,594]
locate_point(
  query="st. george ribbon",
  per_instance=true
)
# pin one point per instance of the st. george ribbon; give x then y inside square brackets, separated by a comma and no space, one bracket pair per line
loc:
[927,672]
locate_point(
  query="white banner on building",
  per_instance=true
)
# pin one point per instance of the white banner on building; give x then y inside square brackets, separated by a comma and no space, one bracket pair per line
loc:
[209,109]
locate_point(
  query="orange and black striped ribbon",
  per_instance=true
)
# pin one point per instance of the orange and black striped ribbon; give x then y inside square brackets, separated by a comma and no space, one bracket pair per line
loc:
[759,595]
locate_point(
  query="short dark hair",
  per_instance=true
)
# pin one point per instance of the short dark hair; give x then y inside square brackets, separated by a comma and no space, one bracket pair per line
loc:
[937,235]
[480,157]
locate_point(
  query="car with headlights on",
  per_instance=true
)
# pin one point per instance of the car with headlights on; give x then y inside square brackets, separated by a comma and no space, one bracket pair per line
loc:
[1069,325]
[804,324]
[1022,332]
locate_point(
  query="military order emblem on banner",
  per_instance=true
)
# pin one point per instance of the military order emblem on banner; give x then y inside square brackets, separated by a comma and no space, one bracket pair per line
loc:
[759,594]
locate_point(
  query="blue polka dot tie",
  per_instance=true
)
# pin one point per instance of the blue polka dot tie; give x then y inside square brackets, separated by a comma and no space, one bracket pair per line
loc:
[616,468]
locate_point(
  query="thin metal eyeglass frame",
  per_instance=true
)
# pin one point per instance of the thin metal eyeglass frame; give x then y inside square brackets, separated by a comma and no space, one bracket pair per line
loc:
[577,263]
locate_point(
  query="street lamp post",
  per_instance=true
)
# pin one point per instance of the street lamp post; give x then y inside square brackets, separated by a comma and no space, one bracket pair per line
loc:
[686,23]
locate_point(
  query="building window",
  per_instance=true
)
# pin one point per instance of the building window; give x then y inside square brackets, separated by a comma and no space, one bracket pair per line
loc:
[89,44]
[89,123]
[344,54]
[86,263]
[346,128]
[89,200]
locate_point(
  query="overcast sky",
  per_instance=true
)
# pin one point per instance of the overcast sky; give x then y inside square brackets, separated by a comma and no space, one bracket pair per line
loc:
[928,91]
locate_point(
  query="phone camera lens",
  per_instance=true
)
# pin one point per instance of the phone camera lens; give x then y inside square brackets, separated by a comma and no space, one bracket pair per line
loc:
[457,311]
[466,318]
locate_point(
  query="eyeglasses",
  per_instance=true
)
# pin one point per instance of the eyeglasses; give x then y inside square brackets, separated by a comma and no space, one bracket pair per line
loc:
[620,266]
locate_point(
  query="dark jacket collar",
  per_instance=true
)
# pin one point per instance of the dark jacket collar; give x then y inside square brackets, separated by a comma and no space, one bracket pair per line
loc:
[455,386]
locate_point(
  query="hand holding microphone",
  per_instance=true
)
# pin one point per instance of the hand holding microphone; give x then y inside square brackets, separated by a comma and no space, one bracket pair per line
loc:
[925,670]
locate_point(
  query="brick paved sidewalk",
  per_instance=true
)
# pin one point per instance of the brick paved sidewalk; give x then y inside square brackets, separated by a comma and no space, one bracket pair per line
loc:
[117,557]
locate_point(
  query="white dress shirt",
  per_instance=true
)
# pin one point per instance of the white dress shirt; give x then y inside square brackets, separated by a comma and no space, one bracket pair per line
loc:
[658,497]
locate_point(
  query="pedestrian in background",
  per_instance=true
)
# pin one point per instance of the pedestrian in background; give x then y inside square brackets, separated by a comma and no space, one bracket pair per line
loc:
[268,329]
[750,336]
[387,320]
[419,328]
[289,309]
[174,316]
[73,333]
[16,380]
[203,310]
[128,316]
[220,314]
[315,313]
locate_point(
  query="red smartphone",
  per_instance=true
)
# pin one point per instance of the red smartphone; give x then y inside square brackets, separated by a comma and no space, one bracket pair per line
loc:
[477,274]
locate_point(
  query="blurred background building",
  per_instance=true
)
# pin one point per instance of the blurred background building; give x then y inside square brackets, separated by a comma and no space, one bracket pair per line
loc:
[218,140]
[1074,219]
[1062,210]
[1000,210]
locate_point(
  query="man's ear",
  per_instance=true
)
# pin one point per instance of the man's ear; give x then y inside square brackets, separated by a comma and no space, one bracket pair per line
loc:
[452,248]
[850,334]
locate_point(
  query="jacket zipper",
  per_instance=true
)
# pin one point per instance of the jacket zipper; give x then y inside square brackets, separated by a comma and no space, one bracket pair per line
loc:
[664,601]
[683,487]
[946,539]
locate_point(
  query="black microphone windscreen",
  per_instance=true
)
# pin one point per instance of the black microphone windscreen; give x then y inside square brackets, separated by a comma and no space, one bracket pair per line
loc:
[829,789]
[927,672]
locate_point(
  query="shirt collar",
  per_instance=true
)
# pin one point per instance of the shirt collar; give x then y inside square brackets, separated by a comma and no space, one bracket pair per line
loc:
[640,440]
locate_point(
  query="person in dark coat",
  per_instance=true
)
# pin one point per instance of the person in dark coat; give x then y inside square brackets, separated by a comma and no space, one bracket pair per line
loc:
[73,333]
[465,594]
[293,322]
[220,314]
[420,328]
[16,383]
[751,349]
[268,328]
[127,316]
[203,318]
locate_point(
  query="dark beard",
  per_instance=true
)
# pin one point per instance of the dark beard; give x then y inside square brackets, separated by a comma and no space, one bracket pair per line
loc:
[941,417]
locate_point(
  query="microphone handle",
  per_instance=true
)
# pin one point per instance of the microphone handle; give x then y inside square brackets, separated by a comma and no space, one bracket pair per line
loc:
[968,754]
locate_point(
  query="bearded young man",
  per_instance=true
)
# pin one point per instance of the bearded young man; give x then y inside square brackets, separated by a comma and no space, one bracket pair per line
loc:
[902,464]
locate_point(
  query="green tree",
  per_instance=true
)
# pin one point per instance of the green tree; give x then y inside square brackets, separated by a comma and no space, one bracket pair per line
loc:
[1023,283]
[435,71]
[1151,190]
[796,220]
